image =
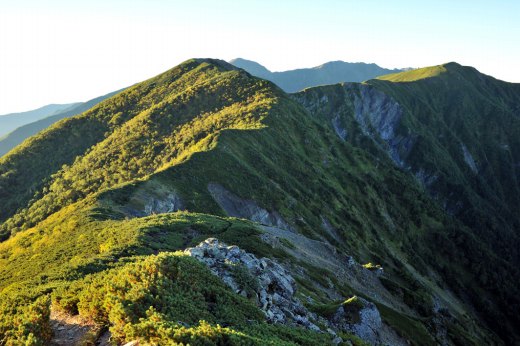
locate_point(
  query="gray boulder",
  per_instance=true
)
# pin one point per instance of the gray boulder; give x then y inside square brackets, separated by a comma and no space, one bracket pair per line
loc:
[359,317]
[263,280]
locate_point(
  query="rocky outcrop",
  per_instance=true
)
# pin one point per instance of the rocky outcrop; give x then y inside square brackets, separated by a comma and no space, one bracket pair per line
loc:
[245,208]
[352,106]
[359,317]
[262,279]
[341,131]
[379,115]
[426,179]
[170,203]
[327,226]
[152,197]
[273,288]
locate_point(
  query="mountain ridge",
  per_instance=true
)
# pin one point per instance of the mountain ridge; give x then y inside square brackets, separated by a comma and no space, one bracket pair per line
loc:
[328,73]
[17,136]
[11,121]
[177,158]
[449,131]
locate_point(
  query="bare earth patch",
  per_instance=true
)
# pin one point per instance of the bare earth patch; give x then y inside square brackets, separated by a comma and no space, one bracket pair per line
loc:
[72,330]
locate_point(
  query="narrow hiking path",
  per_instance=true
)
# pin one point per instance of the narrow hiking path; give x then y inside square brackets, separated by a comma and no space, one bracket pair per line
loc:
[71,330]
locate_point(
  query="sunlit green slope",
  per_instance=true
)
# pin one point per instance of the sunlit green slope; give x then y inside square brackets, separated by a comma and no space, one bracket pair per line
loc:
[208,138]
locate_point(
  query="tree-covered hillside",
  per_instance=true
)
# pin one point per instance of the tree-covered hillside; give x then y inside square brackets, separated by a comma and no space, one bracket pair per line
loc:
[456,131]
[325,177]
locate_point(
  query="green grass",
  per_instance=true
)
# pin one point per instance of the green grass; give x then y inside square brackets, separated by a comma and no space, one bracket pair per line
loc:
[407,327]
[71,254]
[444,107]
[66,193]
[415,74]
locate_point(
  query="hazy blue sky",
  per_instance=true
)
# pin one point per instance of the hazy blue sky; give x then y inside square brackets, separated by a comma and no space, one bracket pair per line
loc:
[65,51]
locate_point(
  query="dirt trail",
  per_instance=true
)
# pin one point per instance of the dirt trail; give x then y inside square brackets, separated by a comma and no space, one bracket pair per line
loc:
[71,330]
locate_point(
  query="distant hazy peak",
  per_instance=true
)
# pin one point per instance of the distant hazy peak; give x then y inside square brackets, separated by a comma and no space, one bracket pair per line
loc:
[53,107]
[9,122]
[251,66]
[328,73]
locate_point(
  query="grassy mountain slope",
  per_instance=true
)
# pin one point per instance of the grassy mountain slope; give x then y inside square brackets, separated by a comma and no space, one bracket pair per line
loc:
[76,242]
[456,131]
[23,132]
[328,73]
[472,121]
[9,122]
[414,75]
[206,137]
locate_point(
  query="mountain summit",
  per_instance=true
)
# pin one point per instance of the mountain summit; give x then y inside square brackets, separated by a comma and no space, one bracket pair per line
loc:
[206,205]
[328,73]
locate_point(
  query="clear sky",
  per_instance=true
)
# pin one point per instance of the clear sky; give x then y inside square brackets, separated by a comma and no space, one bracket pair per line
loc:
[64,51]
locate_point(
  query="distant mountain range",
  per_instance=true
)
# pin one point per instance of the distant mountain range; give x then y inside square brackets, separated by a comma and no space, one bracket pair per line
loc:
[9,122]
[16,127]
[329,73]
[32,122]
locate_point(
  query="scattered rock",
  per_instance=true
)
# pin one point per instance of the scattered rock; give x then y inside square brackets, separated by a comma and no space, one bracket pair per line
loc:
[132,343]
[337,341]
[70,330]
[273,289]
[267,282]
[351,261]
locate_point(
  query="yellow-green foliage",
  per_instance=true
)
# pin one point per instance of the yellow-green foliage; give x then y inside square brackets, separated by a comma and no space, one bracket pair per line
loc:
[415,74]
[205,122]
[77,241]
[165,120]
[74,242]
[353,302]
[23,322]
[172,298]
[168,287]
[371,266]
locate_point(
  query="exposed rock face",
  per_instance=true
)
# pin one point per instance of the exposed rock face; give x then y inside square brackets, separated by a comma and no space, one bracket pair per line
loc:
[172,202]
[378,114]
[273,290]
[426,179]
[152,198]
[247,209]
[361,318]
[376,111]
[341,131]
[330,229]
[468,158]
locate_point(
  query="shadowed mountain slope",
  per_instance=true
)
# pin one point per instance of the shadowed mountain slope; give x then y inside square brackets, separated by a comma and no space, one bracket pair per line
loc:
[456,131]
[328,168]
